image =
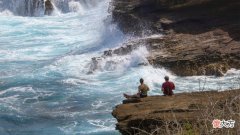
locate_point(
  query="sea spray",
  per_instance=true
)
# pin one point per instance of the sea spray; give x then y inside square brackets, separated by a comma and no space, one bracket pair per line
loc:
[45,87]
[41,7]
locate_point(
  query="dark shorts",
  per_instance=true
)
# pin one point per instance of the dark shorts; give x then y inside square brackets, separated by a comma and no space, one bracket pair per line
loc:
[142,96]
[168,93]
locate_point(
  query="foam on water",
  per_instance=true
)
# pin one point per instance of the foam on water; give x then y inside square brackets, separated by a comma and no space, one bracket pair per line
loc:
[44,71]
[76,7]
[6,13]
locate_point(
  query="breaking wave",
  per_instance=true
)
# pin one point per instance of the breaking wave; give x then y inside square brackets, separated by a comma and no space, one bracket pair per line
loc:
[48,81]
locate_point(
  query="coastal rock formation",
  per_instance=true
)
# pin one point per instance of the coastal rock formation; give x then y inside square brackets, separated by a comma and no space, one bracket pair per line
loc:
[135,16]
[185,113]
[210,53]
[48,7]
[200,37]
[187,55]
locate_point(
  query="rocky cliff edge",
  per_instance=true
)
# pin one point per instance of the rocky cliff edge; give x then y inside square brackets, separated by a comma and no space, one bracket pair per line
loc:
[200,37]
[185,113]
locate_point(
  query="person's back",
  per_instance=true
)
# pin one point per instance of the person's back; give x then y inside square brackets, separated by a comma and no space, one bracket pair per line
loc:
[168,87]
[143,89]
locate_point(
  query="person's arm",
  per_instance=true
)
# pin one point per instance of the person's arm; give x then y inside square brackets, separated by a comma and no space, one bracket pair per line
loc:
[148,88]
[163,87]
[139,89]
[173,86]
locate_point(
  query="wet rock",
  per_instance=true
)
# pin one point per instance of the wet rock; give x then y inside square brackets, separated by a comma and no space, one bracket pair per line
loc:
[48,7]
[107,53]
[195,41]
[94,65]
[203,54]
[187,55]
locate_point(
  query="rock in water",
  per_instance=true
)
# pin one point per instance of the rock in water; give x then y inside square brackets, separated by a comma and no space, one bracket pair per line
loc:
[48,7]
[23,7]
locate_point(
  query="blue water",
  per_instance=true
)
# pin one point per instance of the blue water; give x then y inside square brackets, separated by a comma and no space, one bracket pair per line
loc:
[45,87]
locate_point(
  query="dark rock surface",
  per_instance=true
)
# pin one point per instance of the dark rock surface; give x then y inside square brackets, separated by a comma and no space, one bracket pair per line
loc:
[201,37]
[48,7]
[183,16]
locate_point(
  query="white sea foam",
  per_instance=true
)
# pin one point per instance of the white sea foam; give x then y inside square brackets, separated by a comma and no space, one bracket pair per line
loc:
[69,128]
[37,7]
[48,59]
[75,6]
[56,11]
[6,13]
[97,104]
[232,72]
[122,63]
[18,90]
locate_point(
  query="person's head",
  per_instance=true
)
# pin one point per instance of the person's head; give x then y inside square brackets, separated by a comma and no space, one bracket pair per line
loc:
[141,81]
[166,78]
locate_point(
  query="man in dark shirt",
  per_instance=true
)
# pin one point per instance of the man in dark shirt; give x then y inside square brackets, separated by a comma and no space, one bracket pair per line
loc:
[168,87]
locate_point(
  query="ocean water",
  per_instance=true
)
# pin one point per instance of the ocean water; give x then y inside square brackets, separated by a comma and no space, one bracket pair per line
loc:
[45,85]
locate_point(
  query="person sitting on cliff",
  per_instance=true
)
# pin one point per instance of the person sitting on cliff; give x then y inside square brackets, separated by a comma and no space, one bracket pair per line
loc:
[168,87]
[142,91]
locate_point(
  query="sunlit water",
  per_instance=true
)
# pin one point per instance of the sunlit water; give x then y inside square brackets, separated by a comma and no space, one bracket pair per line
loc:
[45,88]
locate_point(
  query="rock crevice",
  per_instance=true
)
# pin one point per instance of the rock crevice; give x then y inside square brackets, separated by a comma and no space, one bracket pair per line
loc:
[197,110]
[199,37]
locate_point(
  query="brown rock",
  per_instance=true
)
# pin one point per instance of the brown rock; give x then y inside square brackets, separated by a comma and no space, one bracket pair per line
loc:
[203,54]
[195,42]
[48,7]
[186,55]
[152,113]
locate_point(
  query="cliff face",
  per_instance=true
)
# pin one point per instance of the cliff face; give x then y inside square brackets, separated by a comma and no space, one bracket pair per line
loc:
[48,7]
[201,37]
[186,113]
[173,14]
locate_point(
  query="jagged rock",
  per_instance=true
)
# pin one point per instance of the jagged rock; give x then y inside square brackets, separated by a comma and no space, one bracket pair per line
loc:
[195,41]
[185,55]
[154,113]
[204,54]
[135,16]
[201,37]
[94,65]
[48,7]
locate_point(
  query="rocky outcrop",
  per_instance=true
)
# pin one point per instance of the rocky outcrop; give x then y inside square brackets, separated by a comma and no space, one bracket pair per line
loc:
[196,16]
[48,7]
[210,53]
[185,113]
[201,37]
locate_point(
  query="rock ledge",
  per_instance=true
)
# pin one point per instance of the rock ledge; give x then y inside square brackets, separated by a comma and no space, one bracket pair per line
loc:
[196,110]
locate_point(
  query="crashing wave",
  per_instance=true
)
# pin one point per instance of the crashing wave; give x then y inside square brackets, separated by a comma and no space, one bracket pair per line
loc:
[44,7]
[23,7]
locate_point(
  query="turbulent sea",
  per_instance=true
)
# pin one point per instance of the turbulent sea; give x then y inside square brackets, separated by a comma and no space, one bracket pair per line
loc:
[45,85]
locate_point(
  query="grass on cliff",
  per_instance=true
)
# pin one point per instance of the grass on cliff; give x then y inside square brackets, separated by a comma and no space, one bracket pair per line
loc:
[222,109]
[225,109]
